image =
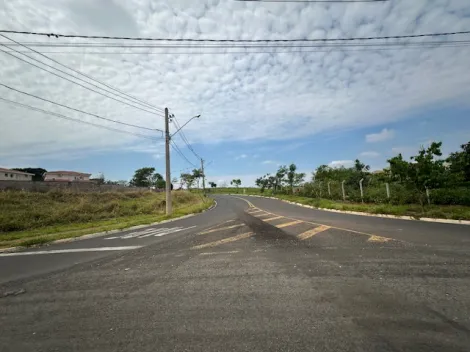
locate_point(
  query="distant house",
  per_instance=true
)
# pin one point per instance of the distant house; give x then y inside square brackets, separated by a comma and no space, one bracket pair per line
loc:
[14,175]
[66,176]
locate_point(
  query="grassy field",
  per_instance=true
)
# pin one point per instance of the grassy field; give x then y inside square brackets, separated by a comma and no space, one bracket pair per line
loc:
[455,212]
[29,218]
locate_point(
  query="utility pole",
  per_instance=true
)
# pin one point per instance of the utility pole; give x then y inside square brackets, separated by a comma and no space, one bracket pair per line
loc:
[203,177]
[167,160]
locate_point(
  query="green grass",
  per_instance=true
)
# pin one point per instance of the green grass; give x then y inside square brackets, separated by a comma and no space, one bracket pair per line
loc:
[29,218]
[454,212]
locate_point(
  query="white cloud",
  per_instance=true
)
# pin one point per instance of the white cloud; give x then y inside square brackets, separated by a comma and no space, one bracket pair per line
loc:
[370,154]
[267,162]
[279,96]
[242,156]
[340,163]
[382,136]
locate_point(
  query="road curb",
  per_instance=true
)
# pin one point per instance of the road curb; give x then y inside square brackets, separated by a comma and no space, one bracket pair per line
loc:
[103,233]
[386,216]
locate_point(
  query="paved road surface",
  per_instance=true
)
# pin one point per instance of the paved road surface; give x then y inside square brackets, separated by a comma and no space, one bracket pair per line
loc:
[249,275]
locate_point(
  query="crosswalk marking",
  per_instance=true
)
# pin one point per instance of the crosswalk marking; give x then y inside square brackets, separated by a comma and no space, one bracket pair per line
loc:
[225,240]
[280,226]
[310,233]
[220,229]
[256,211]
[274,218]
[150,232]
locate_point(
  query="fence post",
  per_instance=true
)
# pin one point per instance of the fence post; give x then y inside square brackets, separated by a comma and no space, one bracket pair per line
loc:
[387,187]
[342,187]
[427,196]
[362,193]
[329,189]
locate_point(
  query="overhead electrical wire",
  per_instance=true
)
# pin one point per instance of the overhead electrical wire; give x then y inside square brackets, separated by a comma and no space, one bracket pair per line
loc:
[78,120]
[67,79]
[87,76]
[185,140]
[78,110]
[57,35]
[177,149]
[227,45]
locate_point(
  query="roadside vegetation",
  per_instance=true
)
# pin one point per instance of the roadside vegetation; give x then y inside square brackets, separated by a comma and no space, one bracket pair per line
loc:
[427,185]
[28,218]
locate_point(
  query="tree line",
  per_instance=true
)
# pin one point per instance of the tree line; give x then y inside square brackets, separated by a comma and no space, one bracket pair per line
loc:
[410,181]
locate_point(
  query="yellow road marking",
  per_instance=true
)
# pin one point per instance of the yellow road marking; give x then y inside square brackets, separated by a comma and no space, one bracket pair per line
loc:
[374,238]
[280,226]
[313,232]
[274,218]
[249,203]
[316,223]
[220,229]
[225,240]
[256,211]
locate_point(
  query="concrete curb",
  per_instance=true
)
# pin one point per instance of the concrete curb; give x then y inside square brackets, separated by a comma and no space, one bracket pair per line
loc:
[386,216]
[103,233]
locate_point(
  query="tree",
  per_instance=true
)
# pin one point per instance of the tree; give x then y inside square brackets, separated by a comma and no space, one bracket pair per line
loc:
[212,184]
[236,182]
[187,180]
[147,177]
[293,178]
[37,171]
[197,174]
[459,164]
[280,175]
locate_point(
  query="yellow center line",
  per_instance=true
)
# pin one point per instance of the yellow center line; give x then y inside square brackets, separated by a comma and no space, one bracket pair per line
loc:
[220,229]
[312,232]
[225,240]
[267,214]
[274,218]
[280,226]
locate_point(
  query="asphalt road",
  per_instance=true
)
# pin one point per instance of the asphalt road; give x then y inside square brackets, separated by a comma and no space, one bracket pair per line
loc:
[249,275]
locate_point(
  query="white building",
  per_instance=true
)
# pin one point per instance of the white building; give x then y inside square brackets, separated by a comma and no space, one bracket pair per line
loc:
[66,176]
[14,175]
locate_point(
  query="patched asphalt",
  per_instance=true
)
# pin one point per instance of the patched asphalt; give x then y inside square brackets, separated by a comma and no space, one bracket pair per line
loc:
[249,276]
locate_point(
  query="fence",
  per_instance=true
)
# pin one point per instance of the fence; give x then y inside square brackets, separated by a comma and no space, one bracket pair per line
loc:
[70,186]
[379,193]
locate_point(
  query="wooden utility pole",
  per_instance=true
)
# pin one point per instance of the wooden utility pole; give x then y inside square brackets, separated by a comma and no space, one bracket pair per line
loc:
[167,160]
[203,177]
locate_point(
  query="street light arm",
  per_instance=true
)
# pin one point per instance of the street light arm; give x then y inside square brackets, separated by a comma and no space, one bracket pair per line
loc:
[194,117]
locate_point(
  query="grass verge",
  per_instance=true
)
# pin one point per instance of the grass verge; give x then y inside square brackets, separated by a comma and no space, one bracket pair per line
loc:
[28,219]
[452,212]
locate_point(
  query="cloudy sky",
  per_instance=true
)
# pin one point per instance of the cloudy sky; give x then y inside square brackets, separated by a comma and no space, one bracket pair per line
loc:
[258,109]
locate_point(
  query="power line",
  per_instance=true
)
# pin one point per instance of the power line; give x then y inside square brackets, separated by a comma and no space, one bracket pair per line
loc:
[78,110]
[177,149]
[228,45]
[77,120]
[85,75]
[185,140]
[57,35]
[67,79]
[331,49]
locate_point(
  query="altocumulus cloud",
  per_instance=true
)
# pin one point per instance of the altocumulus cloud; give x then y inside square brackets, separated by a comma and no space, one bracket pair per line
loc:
[320,90]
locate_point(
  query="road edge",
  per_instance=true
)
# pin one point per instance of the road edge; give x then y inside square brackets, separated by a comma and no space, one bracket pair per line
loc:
[385,216]
[103,233]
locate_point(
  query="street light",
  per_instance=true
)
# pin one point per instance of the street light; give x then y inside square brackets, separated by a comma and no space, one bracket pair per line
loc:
[194,117]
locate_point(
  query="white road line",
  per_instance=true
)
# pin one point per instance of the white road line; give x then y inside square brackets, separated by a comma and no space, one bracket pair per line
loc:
[138,233]
[212,253]
[112,238]
[75,250]
[187,228]
[154,232]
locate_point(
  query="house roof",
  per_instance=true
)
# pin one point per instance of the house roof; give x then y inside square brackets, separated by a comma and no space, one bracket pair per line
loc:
[70,173]
[15,171]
